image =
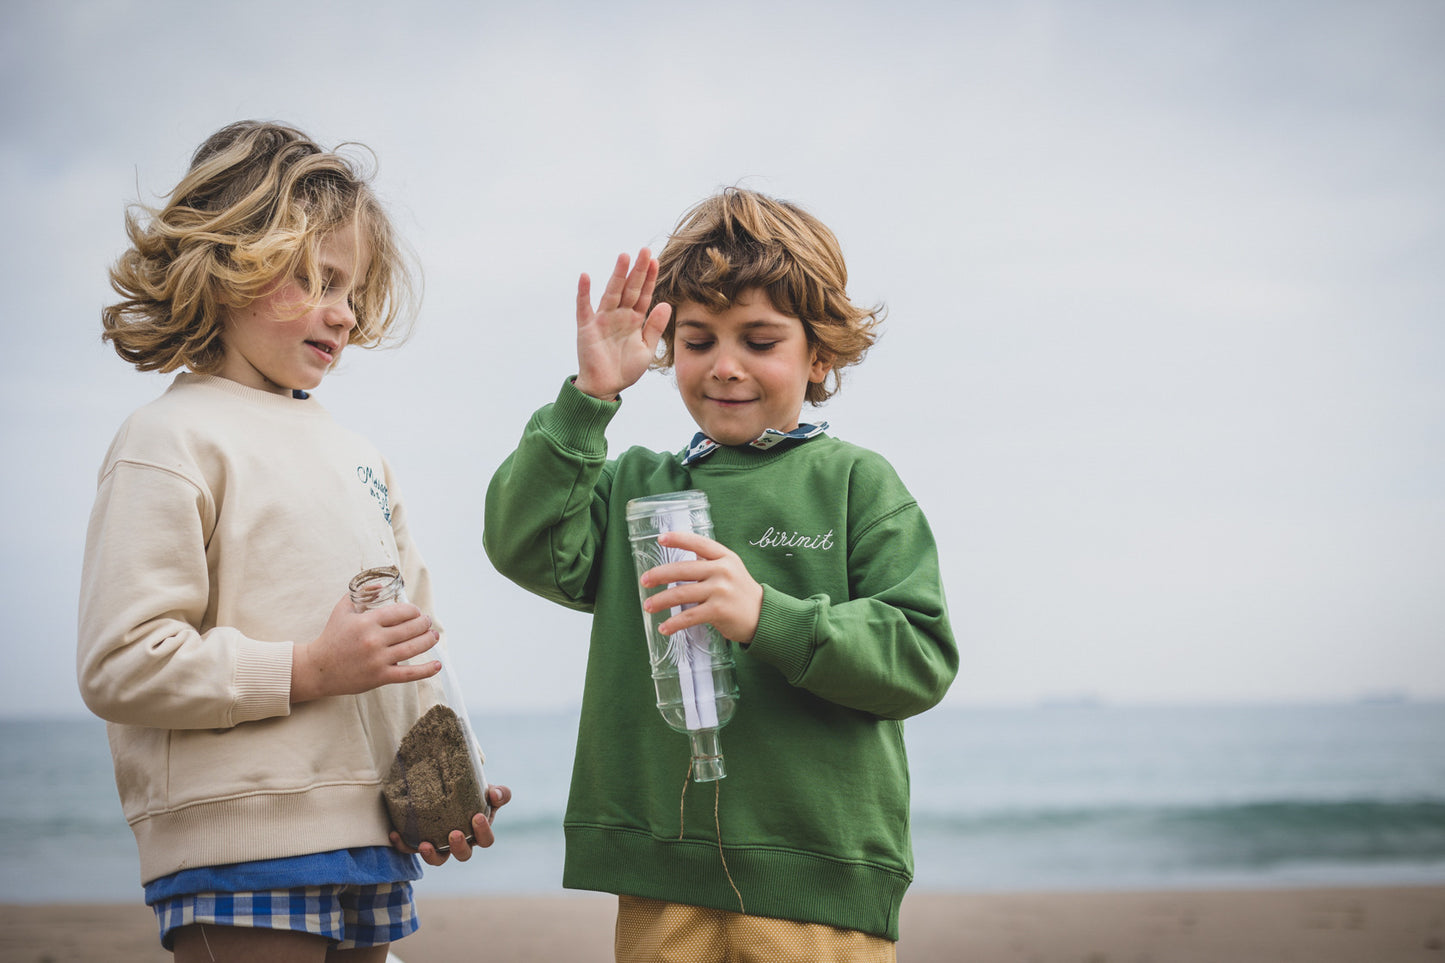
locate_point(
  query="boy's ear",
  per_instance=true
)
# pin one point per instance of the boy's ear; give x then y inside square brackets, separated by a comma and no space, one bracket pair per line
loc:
[821,364]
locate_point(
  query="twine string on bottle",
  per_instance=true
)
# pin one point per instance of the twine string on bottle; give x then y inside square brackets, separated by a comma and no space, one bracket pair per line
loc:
[717,822]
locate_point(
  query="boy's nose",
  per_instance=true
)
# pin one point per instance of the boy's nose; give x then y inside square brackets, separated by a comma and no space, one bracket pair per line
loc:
[726,368]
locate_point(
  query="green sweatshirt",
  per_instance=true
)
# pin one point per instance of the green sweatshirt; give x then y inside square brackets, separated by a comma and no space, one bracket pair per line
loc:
[853,637]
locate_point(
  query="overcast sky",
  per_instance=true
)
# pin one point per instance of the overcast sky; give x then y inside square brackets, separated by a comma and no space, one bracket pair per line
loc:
[1163,359]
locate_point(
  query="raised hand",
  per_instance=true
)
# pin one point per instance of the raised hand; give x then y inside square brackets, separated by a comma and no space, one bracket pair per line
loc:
[716,585]
[618,341]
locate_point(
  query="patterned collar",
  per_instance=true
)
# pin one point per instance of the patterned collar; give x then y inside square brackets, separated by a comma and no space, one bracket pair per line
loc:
[702,445]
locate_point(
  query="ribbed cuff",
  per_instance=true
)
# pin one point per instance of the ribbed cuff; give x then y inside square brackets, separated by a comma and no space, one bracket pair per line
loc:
[263,681]
[576,421]
[784,638]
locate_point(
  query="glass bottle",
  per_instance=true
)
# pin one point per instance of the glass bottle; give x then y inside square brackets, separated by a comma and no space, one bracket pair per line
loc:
[432,779]
[692,669]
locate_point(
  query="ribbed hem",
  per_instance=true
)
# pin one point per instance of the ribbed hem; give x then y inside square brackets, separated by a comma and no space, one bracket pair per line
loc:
[578,422]
[261,826]
[773,882]
[784,638]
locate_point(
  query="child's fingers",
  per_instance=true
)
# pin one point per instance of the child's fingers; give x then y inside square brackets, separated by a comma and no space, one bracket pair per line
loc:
[584,299]
[408,639]
[649,284]
[655,325]
[693,570]
[482,836]
[699,545]
[689,592]
[397,613]
[638,278]
[612,296]
[410,672]
[399,844]
[430,856]
[458,845]
[410,645]
[696,614]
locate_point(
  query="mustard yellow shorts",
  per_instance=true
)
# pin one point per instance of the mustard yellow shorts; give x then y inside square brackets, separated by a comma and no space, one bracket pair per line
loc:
[651,931]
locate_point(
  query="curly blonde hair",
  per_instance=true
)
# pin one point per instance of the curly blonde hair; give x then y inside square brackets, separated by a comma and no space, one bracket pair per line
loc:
[739,240]
[254,206]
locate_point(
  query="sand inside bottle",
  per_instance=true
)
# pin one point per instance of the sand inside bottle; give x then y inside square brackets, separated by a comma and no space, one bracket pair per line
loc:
[431,788]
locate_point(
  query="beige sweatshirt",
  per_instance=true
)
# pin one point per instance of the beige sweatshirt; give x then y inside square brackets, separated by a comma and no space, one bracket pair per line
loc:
[227,524]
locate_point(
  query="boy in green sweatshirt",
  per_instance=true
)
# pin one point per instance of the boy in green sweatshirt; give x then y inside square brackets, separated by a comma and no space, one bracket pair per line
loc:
[823,574]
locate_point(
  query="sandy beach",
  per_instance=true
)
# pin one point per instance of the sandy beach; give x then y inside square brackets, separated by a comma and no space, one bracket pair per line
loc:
[1362,925]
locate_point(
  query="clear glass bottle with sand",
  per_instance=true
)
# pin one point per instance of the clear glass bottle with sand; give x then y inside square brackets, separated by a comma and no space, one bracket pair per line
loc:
[428,756]
[692,669]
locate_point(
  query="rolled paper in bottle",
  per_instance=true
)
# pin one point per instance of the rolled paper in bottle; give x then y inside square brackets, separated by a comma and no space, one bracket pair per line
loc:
[692,669]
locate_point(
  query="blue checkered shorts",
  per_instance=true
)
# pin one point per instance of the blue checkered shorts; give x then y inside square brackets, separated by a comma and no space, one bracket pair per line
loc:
[349,915]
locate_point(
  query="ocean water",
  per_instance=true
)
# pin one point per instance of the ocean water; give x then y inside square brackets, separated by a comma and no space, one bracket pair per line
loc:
[1050,798]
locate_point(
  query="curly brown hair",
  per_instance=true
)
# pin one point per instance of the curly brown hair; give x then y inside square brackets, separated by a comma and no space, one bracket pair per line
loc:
[739,240]
[254,206]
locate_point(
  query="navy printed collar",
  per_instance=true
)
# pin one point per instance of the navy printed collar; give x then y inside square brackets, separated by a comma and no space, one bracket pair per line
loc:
[702,445]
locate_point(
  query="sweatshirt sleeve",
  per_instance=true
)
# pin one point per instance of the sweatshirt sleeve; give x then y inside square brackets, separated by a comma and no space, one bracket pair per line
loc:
[546,506]
[889,648]
[145,590]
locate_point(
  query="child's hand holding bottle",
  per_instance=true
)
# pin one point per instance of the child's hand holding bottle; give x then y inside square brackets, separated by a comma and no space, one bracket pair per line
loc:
[460,846]
[714,587]
[360,651]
